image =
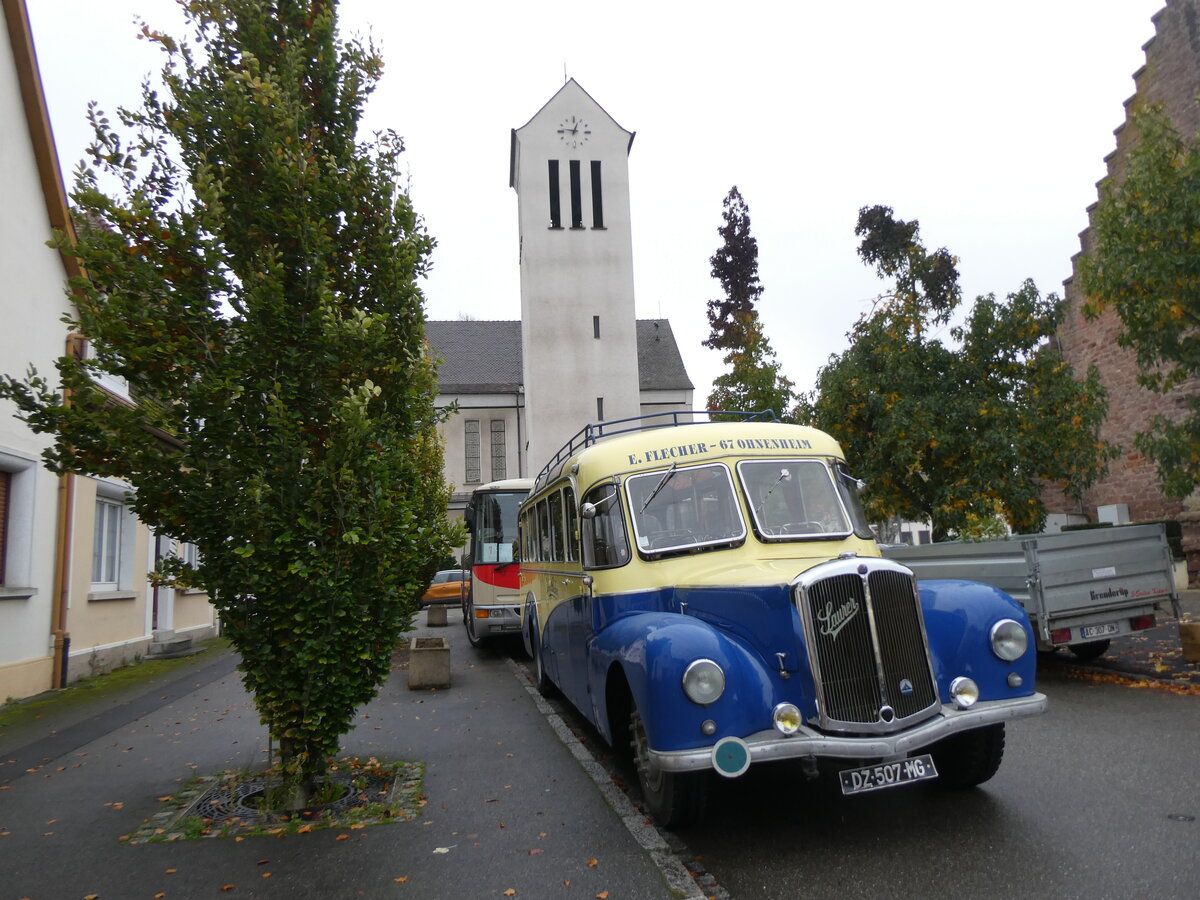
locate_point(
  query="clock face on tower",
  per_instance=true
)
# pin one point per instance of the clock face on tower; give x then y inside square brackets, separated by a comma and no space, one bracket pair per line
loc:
[573,131]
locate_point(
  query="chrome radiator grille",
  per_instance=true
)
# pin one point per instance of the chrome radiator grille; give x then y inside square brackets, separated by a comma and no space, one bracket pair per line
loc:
[866,642]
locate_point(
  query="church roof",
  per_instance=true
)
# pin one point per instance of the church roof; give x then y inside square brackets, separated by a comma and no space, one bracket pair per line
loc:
[660,366]
[479,357]
[484,357]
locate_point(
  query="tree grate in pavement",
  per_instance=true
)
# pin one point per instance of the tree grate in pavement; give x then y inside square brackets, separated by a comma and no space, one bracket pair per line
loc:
[227,805]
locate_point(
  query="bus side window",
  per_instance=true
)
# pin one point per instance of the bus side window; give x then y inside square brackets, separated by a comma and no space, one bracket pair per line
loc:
[604,540]
[528,544]
[556,526]
[572,523]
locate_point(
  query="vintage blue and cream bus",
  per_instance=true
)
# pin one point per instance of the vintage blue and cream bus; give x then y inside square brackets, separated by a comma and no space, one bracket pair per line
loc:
[710,596]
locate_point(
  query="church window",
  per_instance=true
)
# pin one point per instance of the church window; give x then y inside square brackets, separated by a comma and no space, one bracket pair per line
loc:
[596,327]
[599,409]
[499,464]
[471,450]
[555,207]
[597,197]
[576,196]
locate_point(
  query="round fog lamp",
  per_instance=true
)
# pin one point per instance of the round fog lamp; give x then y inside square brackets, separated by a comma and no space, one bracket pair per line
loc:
[1009,640]
[786,717]
[964,692]
[703,682]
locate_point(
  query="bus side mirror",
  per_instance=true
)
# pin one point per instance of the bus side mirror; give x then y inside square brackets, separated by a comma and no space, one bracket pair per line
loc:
[588,511]
[469,518]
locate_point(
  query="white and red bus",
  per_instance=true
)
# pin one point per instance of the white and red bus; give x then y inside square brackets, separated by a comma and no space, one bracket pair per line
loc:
[492,605]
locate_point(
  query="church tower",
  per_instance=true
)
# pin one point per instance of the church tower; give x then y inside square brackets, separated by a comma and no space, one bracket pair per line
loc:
[569,165]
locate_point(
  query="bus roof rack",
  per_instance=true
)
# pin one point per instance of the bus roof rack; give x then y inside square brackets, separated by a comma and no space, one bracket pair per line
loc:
[596,431]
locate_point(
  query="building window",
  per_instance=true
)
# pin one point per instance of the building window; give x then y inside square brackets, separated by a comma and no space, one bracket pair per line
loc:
[498,447]
[106,545]
[5,481]
[555,208]
[599,409]
[596,327]
[576,196]
[18,480]
[471,450]
[189,554]
[597,197]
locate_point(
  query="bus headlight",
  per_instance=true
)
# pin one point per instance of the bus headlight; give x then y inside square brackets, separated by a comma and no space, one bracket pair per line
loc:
[787,718]
[703,682]
[1009,640]
[964,692]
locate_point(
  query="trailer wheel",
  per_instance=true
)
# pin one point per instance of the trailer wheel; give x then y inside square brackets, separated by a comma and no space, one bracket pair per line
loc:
[969,758]
[1089,651]
[673,798]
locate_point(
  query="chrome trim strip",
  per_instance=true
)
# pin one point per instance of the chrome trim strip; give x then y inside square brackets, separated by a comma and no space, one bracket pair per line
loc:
[769,745]
[535,569]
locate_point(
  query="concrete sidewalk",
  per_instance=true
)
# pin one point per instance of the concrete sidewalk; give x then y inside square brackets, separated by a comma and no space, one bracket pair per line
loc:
[507,805]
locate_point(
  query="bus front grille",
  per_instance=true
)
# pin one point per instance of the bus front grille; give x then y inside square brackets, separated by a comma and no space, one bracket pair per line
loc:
[866,641]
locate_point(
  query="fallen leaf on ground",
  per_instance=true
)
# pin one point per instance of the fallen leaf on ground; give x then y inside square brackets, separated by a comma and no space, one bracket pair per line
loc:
[593,862]
[401,879]
[603,895]
[510,893]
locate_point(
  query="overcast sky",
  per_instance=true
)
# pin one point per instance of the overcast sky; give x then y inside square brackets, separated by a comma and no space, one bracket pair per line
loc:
[989,122]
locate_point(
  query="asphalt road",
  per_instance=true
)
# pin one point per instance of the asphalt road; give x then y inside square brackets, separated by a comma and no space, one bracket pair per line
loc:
[1098,798]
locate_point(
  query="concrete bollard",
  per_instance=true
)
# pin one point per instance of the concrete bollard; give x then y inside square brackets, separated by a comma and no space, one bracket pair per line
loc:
[429,663]
[435,615]
[1189,636]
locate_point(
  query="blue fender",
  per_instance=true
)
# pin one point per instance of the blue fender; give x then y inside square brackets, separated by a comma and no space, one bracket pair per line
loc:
[959,616]
[652,650]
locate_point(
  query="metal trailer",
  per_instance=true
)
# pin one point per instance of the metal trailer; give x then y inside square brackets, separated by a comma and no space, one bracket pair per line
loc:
[1079,588]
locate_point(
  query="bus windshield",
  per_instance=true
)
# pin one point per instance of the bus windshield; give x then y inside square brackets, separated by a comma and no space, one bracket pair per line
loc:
[494,534]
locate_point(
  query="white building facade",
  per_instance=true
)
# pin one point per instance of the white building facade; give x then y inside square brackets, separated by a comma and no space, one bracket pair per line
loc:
[75,596]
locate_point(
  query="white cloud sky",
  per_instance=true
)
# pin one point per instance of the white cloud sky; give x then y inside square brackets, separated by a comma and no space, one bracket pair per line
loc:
[987,122]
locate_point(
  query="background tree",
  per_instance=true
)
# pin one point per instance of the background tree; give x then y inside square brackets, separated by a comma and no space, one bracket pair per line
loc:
[1145,264]
[754,381]
[958,435]
[260,297]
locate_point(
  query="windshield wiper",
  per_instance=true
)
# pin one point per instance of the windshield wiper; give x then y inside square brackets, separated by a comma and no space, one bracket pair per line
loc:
[658,487]
[784,475]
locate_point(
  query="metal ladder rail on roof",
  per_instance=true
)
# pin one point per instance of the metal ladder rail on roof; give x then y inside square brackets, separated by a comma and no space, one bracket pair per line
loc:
[596,431]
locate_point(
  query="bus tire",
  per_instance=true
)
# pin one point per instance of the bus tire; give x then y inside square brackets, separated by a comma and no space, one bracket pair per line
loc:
[541,680]
[673,798]
[469,624]
[968,758]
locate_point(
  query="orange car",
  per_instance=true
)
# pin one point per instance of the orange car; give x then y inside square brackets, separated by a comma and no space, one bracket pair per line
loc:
[449,586]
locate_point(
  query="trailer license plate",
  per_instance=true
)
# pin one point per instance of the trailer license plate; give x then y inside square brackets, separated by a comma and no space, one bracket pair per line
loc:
[886,775]
[1095,631]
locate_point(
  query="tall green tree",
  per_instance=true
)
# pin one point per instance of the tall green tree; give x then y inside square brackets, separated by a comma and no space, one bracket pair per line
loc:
[1145,264]
[961,434]
[254,278]
[754,381]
